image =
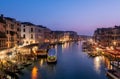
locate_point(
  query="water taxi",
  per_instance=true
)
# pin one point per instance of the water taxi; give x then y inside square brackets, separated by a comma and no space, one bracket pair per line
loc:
[52,56]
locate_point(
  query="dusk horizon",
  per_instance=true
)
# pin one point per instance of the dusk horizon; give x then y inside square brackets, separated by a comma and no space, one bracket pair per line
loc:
[77,15]
[60,39]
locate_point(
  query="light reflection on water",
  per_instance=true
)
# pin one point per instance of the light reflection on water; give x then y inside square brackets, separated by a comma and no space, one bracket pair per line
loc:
[107,63]
[41,62]
[66,68]
[65,46]
[34,72]
[97,64]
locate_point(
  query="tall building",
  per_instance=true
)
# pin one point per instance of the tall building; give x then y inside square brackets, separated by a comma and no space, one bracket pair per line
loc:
[108,36]
[11,30]
[31,33]
[3,38]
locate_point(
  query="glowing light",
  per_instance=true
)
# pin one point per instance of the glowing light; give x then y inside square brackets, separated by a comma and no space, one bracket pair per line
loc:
[13,61]
[4,61]
[41,62]
[97,48]
[97,64]
[114,43]
[111,48]
[34,73]
[107,48]
[103,52]
[1,57]
[34,49]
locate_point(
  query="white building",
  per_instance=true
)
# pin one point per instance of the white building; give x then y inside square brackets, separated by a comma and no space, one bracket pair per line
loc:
[31,34]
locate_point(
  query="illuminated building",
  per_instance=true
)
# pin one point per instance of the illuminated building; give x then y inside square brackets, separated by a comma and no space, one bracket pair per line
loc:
[63,36]
[3,37]
[108,36]
[12,31]
[31,33]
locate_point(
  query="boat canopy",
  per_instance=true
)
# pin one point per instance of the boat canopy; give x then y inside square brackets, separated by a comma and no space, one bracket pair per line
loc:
[52,52]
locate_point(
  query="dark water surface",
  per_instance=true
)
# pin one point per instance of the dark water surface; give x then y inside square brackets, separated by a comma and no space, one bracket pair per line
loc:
[72,63]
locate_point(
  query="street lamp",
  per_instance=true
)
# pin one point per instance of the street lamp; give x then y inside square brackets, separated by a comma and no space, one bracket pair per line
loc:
[114,43]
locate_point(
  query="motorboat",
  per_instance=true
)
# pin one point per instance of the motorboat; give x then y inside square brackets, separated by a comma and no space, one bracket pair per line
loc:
[52,56]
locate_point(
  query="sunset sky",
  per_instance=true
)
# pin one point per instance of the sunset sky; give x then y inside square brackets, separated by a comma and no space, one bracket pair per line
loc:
[82,16]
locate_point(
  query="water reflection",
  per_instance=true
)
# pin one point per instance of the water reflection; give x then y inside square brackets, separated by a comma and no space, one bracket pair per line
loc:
[51,68]
[34,72]
[107,63]
[66,68]
[65,46]
[42,61]
[97,64]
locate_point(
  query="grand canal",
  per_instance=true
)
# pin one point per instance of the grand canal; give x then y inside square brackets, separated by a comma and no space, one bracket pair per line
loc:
[72,63]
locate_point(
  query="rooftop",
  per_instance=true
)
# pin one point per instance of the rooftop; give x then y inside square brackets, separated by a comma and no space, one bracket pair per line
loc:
[2,20]
[28,23]
[9,18]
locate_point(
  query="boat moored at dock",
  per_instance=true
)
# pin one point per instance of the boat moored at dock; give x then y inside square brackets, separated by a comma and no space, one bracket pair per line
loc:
[42,50]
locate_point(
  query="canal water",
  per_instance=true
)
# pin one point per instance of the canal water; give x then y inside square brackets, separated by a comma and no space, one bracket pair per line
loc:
[72,63]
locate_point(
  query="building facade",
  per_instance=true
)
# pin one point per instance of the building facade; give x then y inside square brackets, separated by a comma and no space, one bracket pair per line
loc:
[108,36]
[31,33]
[3,38]
[63,36]
[47,35]
[11,30]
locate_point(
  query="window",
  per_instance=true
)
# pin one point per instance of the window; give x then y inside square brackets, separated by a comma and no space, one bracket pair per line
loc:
[31,29]
[26,42]
[31,42]
[23,30]
[24,36]
[39,30]
[31,36]
[12,26]
[7,32]
[18,29]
